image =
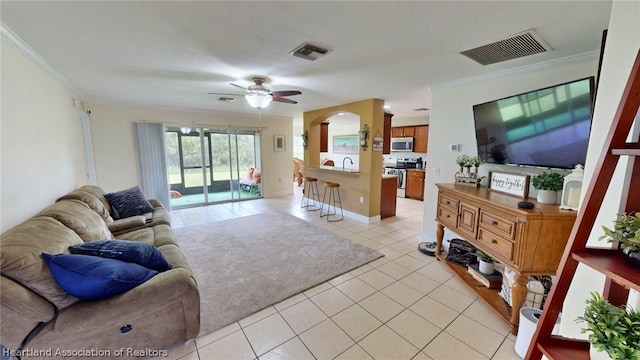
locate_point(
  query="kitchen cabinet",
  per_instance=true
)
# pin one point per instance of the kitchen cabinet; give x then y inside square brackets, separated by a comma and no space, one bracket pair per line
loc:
[527,241]
[388,196]
[405,131]
[324,137]
[386,134]
[415,184]
[421,139]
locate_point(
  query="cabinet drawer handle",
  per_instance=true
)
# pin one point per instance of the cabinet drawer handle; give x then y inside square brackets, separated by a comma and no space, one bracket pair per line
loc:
[494,241]
[494,223]
[448,202]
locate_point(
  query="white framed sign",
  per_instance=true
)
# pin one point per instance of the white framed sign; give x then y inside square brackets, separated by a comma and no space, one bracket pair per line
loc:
[376,144]
[511,184]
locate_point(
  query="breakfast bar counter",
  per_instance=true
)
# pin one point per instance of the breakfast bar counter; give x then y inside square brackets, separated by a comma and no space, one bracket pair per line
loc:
[336,169]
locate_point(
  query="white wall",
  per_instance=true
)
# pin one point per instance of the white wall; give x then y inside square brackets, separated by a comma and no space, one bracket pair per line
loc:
[621,49]
[116,154]
[451,120]
[41,140]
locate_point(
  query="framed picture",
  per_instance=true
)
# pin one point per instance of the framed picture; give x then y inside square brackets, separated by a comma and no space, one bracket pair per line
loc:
[376,144]
[345,144]
[278,143]
[511,184]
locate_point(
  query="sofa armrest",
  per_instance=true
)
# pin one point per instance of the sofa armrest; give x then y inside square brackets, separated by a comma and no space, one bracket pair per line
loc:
[159,216]
[176,285]
[155,203]
[133,222]
[21,310]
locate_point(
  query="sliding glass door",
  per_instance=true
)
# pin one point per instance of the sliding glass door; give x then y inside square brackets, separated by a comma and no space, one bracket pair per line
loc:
[208,165]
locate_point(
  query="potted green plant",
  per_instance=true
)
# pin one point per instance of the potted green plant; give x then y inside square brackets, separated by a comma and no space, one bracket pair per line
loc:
[463,161]
[548,184]
[486,264]
[626,231]
[614,331]
[476,161]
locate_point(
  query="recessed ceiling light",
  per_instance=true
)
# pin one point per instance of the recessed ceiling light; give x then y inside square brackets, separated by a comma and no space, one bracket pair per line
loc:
[387,106]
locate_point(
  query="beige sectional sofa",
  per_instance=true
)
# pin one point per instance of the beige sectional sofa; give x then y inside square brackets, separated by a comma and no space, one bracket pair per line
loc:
[40,319]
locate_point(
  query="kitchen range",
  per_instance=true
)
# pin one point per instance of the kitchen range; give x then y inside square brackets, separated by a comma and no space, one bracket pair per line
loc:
[402,164]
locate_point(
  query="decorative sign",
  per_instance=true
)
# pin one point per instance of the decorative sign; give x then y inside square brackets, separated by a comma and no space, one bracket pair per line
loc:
[377,144]
[512,184]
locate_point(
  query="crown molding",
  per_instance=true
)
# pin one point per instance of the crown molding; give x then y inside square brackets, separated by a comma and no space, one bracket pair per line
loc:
[521,69]
[16,42]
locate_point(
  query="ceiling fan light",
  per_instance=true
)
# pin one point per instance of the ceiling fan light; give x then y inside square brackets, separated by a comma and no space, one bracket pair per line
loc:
[259,101]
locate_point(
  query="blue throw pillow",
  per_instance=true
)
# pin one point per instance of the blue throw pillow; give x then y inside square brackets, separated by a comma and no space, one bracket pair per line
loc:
[137,252]
[127,203]
[94,278]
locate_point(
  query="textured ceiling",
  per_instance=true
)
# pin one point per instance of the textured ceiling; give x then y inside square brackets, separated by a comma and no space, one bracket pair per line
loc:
[172,53]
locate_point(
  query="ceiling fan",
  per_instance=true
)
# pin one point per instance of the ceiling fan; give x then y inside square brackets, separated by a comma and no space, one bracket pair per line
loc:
[260,96]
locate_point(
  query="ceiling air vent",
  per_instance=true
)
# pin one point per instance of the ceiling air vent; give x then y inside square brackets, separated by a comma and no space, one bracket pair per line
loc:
[421,109]
[515,46]
[309,51]
[226,99]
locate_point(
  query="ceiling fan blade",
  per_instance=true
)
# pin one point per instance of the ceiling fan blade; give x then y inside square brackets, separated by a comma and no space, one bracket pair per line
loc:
[238,86]
[284,100]
[225,94]
[286,93]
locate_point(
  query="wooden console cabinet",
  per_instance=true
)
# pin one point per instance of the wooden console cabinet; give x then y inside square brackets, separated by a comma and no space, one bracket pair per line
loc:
[529,242]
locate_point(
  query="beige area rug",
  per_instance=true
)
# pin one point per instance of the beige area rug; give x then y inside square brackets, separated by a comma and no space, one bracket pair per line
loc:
[246,264]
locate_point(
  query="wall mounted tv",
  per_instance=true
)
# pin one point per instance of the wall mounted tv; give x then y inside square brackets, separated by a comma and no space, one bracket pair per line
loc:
[545,128]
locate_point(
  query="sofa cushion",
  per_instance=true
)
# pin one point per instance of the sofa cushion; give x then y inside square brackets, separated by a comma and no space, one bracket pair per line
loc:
[79,217]
[94,278]
[129,202]
[137,252]
[20,260]
[94,197]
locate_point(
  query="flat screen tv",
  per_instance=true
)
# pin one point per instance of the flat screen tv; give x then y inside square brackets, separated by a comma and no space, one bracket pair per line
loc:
[544,128]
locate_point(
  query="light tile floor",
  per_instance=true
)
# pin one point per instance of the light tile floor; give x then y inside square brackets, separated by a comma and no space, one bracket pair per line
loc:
[405,305]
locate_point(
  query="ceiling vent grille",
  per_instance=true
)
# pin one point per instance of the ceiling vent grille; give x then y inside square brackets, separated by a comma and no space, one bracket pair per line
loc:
[516,46]
[309,51]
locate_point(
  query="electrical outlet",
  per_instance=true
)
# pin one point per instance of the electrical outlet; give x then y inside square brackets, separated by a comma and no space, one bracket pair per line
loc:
[361,199]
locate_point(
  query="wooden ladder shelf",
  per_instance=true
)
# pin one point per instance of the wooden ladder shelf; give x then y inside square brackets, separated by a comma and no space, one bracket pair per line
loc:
[620,276]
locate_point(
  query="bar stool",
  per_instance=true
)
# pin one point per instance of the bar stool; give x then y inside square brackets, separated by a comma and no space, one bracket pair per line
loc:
[334,188]
[311,190]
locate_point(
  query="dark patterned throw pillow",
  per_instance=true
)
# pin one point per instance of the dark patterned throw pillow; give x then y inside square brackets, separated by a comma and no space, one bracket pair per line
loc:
[127,203]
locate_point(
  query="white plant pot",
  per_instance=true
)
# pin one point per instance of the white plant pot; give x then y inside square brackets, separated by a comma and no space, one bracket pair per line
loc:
[547,196]
[486,267]
[598,355]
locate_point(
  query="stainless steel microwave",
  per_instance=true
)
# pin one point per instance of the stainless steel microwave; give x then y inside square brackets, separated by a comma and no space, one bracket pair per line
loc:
[402,144]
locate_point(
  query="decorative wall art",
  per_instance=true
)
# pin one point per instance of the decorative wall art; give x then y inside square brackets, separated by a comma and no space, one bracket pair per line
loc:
[345,144]
[278,143]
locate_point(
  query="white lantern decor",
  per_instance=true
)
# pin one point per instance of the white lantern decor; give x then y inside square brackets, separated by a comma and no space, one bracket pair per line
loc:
[572,188]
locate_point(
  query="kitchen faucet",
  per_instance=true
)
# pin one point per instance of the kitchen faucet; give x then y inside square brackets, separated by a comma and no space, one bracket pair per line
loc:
[350,160]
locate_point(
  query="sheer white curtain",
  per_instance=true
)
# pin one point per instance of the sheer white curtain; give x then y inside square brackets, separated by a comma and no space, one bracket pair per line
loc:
[153,167]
